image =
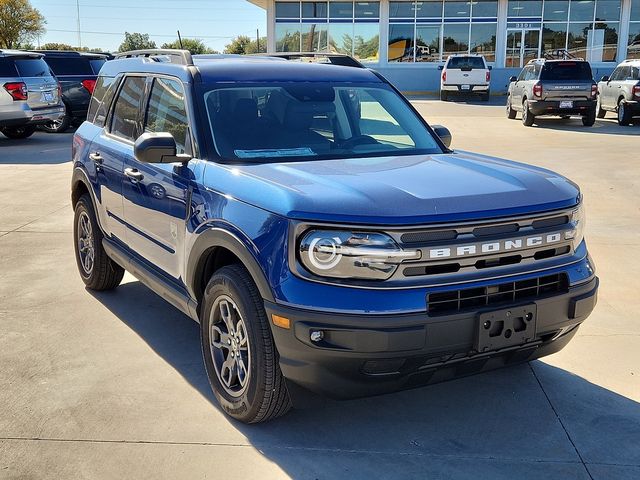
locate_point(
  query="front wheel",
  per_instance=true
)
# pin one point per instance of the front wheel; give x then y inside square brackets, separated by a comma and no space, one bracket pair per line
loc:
[238,349]
[600,112]
[18,133]
[511,113]
[97,270]
[527,117]
[624,115]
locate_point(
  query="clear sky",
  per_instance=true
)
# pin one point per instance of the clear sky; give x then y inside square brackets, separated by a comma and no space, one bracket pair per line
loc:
[103,22]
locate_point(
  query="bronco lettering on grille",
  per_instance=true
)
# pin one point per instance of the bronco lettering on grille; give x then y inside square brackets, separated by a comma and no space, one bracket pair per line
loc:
[495,247]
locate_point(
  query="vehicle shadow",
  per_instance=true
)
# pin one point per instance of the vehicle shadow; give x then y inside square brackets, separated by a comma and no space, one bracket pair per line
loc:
[606,126]
[498,425]
[39,149]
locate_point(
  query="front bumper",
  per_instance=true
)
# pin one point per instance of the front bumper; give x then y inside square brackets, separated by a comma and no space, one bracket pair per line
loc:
[552,107]
[363,355]
[26,116]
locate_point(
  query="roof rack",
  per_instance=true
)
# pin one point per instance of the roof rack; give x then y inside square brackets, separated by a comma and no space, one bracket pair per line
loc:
[316,57]
[180,57]
[559,54]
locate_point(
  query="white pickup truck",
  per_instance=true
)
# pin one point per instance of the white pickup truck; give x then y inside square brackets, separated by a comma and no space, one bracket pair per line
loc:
[465,74]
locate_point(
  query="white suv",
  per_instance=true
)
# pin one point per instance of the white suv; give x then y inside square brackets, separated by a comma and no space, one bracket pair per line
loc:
[465,74]
[29,93]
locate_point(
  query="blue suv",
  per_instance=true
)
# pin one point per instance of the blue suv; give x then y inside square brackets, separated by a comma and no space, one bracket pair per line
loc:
[319,230]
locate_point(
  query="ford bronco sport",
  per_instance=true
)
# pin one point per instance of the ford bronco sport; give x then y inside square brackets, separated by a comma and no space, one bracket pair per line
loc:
[318,229]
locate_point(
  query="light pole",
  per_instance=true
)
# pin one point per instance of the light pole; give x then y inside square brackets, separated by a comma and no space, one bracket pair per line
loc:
[78,17]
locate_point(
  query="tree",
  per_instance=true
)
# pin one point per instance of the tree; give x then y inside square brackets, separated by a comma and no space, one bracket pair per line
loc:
[243,44]
[56,46]
[194,46]
[136,41]
[19,23]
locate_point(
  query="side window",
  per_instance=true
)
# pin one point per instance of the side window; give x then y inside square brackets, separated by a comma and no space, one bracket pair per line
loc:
[167,112]
[616,75]
[125,112]
[635,73]
[101,100]
[378,123]
[523,73]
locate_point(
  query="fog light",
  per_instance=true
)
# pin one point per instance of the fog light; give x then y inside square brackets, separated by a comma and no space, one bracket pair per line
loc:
[316,336]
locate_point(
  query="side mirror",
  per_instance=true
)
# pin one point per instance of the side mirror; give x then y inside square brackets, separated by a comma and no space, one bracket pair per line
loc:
[157,148]
[605,78]
[489,67]
[513,78]
[440,67]
[443,133]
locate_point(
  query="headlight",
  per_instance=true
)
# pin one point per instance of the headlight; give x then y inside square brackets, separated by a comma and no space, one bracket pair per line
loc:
[340,254]
[578,221]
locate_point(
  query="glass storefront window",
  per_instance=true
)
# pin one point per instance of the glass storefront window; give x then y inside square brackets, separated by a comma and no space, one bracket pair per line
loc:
[605,42]
[402,9]
[341,38]
[633,50]
[581,11]
[556,10]
[525,8]
[429,9]
[288,37]
[366,41]
[554,36]
[428,43]
[608,10]
[401,42]
[577,39]
[484,8]
[455,38]
[457,9]
[314,9]
[635,11]
[367,10]
[314,37]
[483,40]
[341,10]
[287,10]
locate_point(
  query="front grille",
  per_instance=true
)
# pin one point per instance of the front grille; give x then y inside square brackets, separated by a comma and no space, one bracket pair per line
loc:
[453,301]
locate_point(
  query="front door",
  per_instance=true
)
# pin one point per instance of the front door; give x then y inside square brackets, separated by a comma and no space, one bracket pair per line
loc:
[522,45]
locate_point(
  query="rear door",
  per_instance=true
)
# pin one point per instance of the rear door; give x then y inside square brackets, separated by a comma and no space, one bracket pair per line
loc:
[42,87]
[156,195]
[566,80]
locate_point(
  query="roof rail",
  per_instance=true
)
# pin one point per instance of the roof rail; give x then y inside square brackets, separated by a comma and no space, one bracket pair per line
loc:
[181,57]
[316,57]
[559,54]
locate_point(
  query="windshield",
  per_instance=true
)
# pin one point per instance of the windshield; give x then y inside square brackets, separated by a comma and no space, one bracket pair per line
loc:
[566,71]
[313,121]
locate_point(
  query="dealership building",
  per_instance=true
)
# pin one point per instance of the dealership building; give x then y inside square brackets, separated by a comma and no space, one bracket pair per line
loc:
[407,40]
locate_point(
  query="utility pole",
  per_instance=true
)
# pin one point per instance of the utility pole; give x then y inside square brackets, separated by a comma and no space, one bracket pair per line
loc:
[257,40]
[180,40]
[79,34]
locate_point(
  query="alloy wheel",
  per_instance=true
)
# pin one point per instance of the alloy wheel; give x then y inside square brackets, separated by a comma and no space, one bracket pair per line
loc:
[86,248]
[229,345]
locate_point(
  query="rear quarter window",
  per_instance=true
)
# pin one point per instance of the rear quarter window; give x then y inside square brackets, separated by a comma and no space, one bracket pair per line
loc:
[466,63]
[566,71]
[101,100]
[96,65]
[69,66]
[8,68]
[32,67]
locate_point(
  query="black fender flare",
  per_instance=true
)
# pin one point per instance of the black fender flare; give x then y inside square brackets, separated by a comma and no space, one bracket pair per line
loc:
[214,237]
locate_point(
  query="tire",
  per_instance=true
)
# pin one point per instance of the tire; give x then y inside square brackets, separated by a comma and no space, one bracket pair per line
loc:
[232,303]
[444,96]
[18,133]
[485,96]
[589,119]
[511,113]
[59,126]
[624,114]
[600,113]
[527,117]
[100,273]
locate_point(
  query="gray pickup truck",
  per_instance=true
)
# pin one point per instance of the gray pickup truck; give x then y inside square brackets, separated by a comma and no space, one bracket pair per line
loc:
[620,92]
[563,88]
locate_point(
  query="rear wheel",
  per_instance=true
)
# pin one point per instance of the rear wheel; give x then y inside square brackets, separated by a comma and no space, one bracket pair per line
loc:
[600,113]
[444,96]
[624,115]
[511,113]
[486,96]
[97,270]
[589,119]
[17,133]
[527,117]
[238,349]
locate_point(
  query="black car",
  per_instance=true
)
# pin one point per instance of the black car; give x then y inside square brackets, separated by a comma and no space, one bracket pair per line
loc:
[77,73]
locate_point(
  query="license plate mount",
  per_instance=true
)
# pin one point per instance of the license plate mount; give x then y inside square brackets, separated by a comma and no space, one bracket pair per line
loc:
[506,328]
[465,87]
[47,97]
[566,104]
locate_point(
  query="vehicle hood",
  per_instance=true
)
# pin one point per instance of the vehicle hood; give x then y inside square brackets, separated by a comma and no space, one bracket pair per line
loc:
[400,190]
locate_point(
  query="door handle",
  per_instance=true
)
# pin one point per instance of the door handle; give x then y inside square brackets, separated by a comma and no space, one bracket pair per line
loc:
[134,174]
[96,157]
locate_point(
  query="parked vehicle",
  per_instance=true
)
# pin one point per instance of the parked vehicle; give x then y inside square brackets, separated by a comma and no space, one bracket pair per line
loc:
[620,92]
[553,87]
[29,94]
[465,74]
[77,73]
[318,229]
